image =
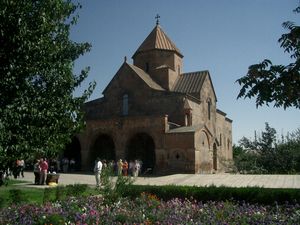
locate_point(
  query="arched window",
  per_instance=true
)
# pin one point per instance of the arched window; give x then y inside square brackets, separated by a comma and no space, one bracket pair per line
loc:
[125,105]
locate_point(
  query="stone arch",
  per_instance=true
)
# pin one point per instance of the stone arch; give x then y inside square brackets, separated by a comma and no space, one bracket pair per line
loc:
[141,146]
[73,151]
[215,157]
[205,154]
[103,147]
[204,139]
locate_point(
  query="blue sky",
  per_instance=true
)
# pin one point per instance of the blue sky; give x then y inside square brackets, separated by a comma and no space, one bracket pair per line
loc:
[222,36]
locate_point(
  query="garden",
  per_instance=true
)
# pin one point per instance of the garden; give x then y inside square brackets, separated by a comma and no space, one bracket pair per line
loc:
[124,203]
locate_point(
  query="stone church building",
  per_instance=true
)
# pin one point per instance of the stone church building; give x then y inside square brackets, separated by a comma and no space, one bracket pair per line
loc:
[153,111]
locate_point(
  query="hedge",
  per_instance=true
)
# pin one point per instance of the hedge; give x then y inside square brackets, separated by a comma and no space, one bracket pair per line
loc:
[249,194]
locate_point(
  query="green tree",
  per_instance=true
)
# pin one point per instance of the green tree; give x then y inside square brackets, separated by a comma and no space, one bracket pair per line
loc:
[38,111]
[267,154]
[276,83]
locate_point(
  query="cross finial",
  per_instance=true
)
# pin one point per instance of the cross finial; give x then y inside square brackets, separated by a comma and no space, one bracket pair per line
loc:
[157,19]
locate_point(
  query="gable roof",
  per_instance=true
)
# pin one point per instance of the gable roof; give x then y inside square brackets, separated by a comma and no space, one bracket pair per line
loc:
[140,73]
[157,39]
[192,82]
[146,78]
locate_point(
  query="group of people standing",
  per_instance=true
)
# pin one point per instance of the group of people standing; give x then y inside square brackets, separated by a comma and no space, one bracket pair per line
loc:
[40,169]
[119,168]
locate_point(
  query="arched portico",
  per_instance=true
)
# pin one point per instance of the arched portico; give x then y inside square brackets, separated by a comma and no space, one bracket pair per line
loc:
[103,147]
[141,146]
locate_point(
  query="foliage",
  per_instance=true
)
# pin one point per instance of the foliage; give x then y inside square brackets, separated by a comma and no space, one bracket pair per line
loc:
[253,195]
[266,154]
[148,209]
[113,189]
[38,112]
[276,83]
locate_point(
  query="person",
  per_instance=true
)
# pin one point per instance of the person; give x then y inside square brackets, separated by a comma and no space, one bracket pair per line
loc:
[22,167]
[97,171]
[131,167]
[120,166]
[137,168]
[44,169]
[37,171]
[65,163]
[125,168]
[72,164]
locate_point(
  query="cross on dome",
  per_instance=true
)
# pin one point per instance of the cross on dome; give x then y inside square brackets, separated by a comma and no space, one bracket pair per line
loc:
[157,19]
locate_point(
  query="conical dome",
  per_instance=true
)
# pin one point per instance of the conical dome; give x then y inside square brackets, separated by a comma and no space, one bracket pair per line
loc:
[157,39]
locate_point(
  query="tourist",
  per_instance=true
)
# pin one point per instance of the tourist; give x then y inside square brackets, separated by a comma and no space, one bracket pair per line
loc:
[131,167]
[125,168]
[137,168]
[65,163]
[37,171]
[120,167]
[44,169]
[22,167]
[72,164]
[97,171]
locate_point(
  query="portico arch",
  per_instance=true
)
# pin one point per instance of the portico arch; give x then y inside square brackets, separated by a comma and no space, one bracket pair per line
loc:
[141,146]
[103,147]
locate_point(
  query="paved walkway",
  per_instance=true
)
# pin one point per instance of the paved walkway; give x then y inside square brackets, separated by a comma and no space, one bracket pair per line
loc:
[228,180]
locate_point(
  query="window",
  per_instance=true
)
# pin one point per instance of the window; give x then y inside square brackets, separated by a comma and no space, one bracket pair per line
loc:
[125,105]
[147,67]
[208,108]
[188,119]
[178,70]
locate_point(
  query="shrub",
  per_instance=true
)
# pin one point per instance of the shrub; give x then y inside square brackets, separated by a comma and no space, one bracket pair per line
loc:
[212,193]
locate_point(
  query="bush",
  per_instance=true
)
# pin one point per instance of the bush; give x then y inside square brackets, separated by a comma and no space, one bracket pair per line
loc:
[212,193]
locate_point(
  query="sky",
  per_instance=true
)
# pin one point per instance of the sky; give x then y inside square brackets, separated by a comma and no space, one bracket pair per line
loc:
[222,36]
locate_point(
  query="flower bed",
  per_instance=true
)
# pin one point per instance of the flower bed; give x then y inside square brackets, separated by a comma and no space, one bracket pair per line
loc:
[148,209]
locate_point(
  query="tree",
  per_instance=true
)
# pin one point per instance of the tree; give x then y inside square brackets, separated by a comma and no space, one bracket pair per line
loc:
[268,155]
[38,112]
[276,83]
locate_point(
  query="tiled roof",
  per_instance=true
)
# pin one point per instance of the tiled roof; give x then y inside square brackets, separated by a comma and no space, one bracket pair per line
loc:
[146,78]
[190,82]
[157,39]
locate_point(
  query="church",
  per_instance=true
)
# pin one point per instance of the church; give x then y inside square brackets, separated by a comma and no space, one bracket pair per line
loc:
[155,112]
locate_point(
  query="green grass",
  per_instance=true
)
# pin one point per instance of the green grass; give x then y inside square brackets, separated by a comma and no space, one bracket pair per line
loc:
[14,193]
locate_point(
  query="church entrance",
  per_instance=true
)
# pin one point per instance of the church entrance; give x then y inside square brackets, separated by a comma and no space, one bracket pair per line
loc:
[141,147]
[73,153]
[104,148]
[215,161]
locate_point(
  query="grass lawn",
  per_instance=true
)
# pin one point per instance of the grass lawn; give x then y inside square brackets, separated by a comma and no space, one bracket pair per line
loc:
[13,193]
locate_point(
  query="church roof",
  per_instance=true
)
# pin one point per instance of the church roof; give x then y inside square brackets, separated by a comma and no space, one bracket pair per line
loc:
[191,82]
[157,39]
[146,77]
[140,73]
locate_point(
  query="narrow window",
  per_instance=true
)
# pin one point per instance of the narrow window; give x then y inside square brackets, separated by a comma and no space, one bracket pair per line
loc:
[147,67]
[125,105]
[178,70]
[220,139]
[208,108]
